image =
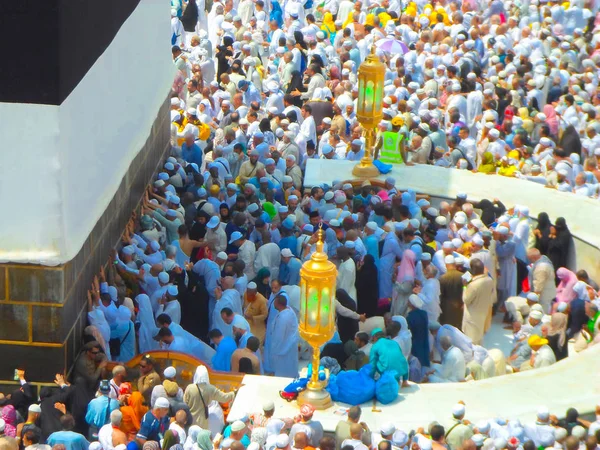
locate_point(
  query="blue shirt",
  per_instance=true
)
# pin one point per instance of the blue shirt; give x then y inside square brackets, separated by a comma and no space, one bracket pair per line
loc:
[191,154]
[289,274]
[70,439]
[153,428]
[227,432]
[99,409]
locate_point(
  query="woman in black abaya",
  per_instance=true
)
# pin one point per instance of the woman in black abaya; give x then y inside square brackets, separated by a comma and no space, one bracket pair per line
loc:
[367,287]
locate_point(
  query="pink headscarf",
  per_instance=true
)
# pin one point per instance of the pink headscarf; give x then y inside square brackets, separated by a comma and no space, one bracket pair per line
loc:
[9,415]
[551,119]
[564,290]
[406,271]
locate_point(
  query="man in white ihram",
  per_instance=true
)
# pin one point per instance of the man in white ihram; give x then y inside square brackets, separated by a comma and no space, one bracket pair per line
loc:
[452,368]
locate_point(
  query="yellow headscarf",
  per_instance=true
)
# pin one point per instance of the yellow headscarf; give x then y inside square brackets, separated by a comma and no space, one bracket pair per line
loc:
[411,9]
[349,20]
[384,18]
[328,23]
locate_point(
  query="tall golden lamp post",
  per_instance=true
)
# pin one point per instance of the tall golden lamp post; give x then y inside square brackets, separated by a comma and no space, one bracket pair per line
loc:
[371,80]
[317,320]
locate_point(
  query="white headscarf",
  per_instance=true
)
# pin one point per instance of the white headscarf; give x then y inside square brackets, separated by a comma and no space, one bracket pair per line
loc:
[404,337]
[201,375]
[192,436]
[274,427]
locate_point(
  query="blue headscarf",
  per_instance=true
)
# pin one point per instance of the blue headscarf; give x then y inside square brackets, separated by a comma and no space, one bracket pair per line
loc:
[276,13]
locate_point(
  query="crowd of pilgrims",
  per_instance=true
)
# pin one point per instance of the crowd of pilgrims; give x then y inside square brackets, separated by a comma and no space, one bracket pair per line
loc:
[210,263]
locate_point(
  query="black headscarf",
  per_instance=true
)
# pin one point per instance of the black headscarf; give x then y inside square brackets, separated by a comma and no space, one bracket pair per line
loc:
[558,248]
[189,18]
[198,230]
[347,327]
[490,212]
[295,82]
[367,287]
[227,217]
[570,140]
[544,225]
[262,288]
[299,38]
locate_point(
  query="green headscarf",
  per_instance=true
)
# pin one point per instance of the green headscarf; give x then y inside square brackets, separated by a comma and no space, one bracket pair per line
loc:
[204,441]
[269,208]
[487,163]
[170,440]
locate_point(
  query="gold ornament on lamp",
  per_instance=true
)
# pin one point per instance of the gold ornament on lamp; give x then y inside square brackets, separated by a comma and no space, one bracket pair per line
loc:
[371,80]
[317,318]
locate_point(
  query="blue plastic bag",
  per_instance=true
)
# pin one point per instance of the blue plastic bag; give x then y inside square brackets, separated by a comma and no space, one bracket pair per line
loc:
[355,387]
[386,388]
[382,167]
[332,386]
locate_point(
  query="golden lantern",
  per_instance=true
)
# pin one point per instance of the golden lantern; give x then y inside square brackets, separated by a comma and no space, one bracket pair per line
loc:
[317,318]
[371,80]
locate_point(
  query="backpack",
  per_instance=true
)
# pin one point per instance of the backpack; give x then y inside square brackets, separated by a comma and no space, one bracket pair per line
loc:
[425,248]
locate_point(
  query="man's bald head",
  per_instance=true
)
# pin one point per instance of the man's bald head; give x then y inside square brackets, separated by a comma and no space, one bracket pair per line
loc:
[227,283]
[300,440]
[356,431]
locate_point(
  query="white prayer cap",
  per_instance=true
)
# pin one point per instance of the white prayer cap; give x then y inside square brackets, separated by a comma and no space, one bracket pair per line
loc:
[502,230]
[477,240]
[449,259]
[34,408]
[286,253]
[170,372]
[460,219]
[537,315]
[537,307]
[495,133]
[483,426]
[543,413]
[478,439]
[458,410]
[562,306]
[424,443]
[423,202]
[416,301]
[477,223]
[459,261]
[441,220]
[238,425]
[283,440]
[163,277]
[222,255]
[499,443]
[173,291]
[560,433]
[372,226]
[414,223]
[161,402]
[387,429]
[448,245]
[431,211]
[579,432]
[173,13]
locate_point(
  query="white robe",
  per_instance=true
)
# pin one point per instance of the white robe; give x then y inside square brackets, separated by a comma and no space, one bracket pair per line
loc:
[230,299]
[194,346]
[347,277]
[282,341]
[269,256]
[452,369]
[430,294]
[148,328]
